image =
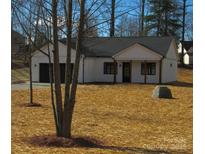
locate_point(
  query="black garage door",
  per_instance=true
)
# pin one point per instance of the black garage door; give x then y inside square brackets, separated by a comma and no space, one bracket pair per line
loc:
[44,72]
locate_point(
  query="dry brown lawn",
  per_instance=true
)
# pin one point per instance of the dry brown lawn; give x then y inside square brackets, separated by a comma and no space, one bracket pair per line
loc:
[20,75]
[123,117]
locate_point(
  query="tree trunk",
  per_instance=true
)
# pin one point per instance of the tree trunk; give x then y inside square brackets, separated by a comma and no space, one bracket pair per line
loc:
[37,24]
[68,74]
[30,74]
[112,21]
[30,60]
[71,103]
[183,31]
[57,69]
[51,86]
[159,20]
[142,17]
[166,19]
[48,31]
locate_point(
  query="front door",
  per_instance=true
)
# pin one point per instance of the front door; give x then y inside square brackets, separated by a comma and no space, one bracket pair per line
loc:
[126,72]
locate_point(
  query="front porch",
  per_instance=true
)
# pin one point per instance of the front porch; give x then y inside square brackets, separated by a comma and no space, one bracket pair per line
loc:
[137,71]
[138,64]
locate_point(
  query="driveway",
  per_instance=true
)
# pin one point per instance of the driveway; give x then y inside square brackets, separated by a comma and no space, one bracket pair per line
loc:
[21,86]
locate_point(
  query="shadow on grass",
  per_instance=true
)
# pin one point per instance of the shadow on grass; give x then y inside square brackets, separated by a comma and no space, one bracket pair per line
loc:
[34,104]
[87,142]
[181,84]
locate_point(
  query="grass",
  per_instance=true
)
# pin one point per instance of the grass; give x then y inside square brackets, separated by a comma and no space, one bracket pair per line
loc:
[20,75]
[124,118]
[19,69]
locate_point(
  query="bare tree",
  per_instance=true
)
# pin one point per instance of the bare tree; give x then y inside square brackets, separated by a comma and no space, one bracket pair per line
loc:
[63,110]
[76,67]
[127,26]
[57,82]
[30,31]
[47,24]
[112,20]
[68,73]
[30,62]
[89,21]
[64,122]
[142,17]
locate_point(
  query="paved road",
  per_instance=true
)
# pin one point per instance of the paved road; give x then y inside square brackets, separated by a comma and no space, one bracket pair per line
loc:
[21,86]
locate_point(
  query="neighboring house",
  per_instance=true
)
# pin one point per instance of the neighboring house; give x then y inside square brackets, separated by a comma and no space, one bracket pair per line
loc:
[18,42]
[188,52]
[137,60]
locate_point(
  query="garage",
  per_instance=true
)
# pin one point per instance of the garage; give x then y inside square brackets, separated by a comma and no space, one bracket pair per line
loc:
[44,72]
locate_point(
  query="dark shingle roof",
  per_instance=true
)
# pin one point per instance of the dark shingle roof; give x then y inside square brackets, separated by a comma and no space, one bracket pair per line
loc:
[107,47]
[187,44]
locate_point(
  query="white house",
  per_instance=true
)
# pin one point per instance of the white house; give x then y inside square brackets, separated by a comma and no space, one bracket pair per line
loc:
[135,59]
[188,52]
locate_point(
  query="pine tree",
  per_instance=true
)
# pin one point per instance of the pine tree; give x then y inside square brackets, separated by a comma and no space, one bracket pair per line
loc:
[163,19]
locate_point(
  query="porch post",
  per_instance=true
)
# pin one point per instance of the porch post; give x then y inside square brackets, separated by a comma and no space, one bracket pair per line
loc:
[160,71]
[115,71]
[145,72]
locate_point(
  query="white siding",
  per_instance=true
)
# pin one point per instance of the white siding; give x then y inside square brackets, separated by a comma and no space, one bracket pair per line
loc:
[62,52]
[169,70]
[119,71]
[94,67]
[172,52]
[99,67]
[169,65]
[186,59]
[89,69]
[180,48]
[39,57]
[137,52]
[94,70]
[136,73]
[80,73]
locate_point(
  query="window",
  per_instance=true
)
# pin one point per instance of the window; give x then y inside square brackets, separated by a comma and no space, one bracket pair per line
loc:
[151,69]
[109,68]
